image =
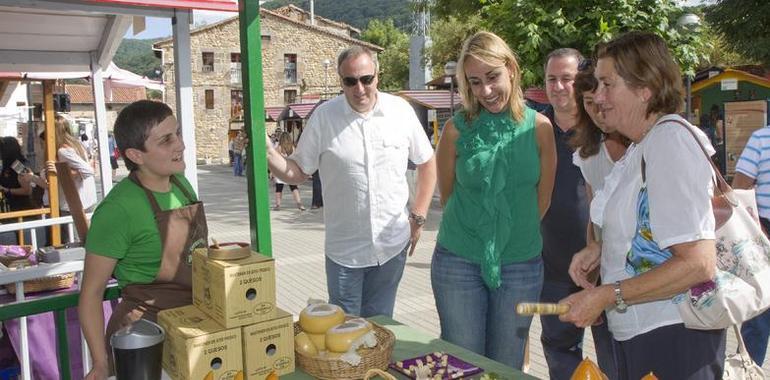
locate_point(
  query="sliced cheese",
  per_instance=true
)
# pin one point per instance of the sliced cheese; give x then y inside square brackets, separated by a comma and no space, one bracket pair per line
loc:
[319,341]
[340,337]
[303,344]
[317,318]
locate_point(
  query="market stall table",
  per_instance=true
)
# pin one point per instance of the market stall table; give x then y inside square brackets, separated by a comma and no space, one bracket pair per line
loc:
[411,343]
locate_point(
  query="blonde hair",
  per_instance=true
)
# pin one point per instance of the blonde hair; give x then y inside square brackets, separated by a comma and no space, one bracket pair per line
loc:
[492,50]
[64,137]
[286,143]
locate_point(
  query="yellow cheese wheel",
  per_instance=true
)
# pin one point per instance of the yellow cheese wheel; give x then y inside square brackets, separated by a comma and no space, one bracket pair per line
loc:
[319,341]
[303,344]
[317,318]
[340,337]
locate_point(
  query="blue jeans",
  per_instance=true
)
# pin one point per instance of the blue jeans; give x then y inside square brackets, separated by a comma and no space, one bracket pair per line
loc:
[755,332]
[480,319]
[237,164]
[563,342]
[365,291]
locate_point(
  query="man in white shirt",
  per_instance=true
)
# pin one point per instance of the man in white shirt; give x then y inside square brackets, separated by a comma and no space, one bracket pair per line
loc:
[361,143]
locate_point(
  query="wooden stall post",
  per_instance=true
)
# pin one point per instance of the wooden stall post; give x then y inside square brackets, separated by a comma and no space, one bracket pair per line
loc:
[50,155]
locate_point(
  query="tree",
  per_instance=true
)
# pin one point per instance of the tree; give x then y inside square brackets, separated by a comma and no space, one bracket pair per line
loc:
[744,25]
[394,73]
[447,36]
[534,27]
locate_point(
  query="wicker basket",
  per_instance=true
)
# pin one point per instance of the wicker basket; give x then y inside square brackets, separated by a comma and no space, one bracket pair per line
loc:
[10,261]
[335,369]
[59,281]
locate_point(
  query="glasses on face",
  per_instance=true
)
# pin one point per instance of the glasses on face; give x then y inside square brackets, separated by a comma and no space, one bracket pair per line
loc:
[352,81]
[585,64]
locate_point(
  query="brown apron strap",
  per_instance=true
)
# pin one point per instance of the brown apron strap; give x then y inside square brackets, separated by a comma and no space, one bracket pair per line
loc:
[153,202]
[186,193]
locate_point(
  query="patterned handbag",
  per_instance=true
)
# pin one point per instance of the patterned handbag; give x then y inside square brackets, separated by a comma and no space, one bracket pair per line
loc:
[741,287]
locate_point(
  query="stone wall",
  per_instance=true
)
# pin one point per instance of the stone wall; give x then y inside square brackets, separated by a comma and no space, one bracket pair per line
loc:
[280,37]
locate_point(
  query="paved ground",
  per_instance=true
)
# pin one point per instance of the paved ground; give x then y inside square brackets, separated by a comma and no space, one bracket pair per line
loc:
[298,250]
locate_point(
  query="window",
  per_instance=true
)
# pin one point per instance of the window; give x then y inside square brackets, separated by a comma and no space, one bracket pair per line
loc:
[236,104]
[208,62]
[209,99]
[289,96]
[235,68]
[290,67]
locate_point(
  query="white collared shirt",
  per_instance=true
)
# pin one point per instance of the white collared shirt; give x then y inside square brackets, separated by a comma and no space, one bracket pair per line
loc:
[362,161]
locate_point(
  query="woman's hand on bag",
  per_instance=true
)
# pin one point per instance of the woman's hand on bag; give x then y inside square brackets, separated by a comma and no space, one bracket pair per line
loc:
[583,265]
[586,306]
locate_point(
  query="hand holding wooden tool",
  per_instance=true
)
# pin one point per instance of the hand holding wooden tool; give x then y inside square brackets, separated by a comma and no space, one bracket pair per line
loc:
[531,308]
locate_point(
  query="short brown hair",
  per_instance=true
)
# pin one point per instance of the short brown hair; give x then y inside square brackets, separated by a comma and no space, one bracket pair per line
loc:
[355,51]
[642,59]
[133,125]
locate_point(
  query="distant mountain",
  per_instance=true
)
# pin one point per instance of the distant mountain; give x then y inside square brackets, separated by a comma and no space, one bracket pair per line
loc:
[137,57]
[356,12]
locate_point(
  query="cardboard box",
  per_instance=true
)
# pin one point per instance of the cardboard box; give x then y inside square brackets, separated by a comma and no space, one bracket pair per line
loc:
[269,346]
[198,348]
[234,292]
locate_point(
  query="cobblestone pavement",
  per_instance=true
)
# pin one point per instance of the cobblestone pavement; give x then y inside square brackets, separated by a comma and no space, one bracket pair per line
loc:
[298,238]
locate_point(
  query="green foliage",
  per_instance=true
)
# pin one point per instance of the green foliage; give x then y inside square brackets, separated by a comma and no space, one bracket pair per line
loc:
[137,57]
[394,67]
[447,36]
[533,28]
[744,25]
[357,13]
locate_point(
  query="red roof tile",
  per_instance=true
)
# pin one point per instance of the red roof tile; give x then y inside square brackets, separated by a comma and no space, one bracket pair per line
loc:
[82,94]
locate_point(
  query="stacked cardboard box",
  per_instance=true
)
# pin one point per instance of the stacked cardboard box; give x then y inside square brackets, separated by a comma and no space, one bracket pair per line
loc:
[233,327]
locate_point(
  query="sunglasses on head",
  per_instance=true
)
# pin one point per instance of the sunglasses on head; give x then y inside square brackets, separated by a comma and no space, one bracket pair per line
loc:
[352,81]
[585,64]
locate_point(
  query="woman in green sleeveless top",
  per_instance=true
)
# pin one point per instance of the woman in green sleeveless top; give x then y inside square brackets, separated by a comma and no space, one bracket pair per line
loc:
[496,164]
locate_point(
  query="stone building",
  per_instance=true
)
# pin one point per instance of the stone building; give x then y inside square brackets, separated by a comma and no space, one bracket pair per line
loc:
[298,65]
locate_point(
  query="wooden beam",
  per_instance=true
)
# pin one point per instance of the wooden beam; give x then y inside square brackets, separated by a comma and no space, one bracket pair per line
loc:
[254,117]
[50,155]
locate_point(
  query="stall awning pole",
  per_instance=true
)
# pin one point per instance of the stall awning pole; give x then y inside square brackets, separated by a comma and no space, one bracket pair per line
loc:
[254,116]
[100,115]
[180,25]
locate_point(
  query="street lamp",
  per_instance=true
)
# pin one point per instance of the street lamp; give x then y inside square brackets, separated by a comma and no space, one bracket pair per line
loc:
[688,23]
[326,64]
[450,69]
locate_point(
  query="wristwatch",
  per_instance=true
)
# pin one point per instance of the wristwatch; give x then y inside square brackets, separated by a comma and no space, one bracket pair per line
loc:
[620,303]
[419,220]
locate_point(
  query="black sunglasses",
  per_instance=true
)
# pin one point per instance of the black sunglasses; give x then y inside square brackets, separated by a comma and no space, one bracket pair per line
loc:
[352,81]
[585,64]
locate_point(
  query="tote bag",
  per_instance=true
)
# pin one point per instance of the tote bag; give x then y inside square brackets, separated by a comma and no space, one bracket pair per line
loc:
[741,287]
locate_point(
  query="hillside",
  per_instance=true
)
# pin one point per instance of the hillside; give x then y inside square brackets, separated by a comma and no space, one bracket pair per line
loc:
[137,56]
[356,12]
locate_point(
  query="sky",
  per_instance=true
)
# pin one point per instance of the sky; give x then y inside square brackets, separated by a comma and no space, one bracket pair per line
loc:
[161,27]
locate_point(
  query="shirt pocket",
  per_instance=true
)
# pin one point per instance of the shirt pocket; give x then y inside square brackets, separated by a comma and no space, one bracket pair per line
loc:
[395,154]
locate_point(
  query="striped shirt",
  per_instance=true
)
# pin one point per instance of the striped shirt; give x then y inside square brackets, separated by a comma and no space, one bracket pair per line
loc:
[755,163]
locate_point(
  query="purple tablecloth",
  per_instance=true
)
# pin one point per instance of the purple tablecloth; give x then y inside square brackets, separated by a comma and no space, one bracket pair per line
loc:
[41,332]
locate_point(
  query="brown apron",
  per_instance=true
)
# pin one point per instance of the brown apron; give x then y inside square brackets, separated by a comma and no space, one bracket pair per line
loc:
[181,231]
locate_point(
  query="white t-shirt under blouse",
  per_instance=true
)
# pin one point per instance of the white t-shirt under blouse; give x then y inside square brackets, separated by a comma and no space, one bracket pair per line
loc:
[84,180]
[362,160]
[679,186]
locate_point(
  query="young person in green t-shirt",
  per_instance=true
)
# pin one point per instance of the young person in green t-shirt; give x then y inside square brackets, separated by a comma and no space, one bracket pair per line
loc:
[143,232]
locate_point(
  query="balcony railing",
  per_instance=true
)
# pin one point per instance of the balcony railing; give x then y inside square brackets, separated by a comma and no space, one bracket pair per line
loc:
[235,75]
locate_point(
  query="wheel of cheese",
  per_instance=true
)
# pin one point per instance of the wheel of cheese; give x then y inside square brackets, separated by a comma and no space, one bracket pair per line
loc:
[317,318]
[319,341]
[340,337]
[303,344]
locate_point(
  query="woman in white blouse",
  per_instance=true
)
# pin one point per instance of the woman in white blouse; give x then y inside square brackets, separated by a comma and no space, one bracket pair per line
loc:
[657,229]
[70,150]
